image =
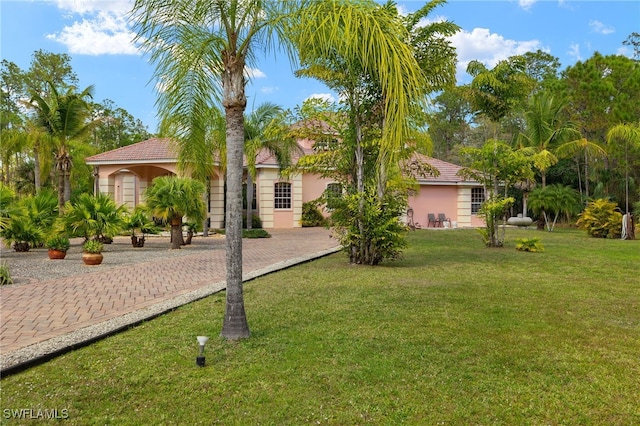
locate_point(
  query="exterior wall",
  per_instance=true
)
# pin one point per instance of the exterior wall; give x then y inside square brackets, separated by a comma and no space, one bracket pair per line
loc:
[434,199]
[126,183]
[464,209]
[216,214]
[278,218]
[452,200]
[314,185]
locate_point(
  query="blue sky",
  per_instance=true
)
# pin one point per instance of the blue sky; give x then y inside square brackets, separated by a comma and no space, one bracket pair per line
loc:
[96,36]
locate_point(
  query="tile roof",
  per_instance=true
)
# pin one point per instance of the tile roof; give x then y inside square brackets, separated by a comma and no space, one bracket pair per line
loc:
[448,171]
[161,150]
[151,150]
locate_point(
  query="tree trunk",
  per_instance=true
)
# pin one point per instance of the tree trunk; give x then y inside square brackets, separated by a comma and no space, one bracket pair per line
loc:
[37,179]
[176,232]
[63,165]
[235,324]
[60,187]
[207,202]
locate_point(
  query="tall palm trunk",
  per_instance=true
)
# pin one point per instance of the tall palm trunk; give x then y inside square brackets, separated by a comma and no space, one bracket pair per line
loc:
[63,166]
[235,324]
[37,179]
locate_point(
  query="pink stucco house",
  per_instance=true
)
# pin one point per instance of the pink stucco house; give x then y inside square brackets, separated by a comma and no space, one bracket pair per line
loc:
[126,172]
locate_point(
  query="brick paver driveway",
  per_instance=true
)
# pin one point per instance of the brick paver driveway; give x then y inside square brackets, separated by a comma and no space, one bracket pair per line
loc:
[42,317]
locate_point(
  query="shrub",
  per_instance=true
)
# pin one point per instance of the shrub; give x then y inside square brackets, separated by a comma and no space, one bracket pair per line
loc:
[256,222]
[58,242]
[601,219]
[95,217]
[311,215]
[368,228]
[21,233]
[5,274]
[93,246]
[255,233]
[532,245]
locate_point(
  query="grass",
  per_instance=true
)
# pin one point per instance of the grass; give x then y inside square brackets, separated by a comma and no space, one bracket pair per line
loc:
[454,333]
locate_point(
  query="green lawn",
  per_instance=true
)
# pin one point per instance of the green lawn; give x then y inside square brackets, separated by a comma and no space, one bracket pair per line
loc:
[454,333]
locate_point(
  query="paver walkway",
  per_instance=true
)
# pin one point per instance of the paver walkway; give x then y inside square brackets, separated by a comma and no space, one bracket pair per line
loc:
[42,318]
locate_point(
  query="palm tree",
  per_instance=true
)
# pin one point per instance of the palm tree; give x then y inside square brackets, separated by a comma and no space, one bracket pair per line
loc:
[201,49]
[171,198]
[554,199]
[629,134]
[65,116]
[546,131]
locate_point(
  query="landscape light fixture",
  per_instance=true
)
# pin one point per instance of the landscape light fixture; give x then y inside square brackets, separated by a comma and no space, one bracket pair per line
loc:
[200,359]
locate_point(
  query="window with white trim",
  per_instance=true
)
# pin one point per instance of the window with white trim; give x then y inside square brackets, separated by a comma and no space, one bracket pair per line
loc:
[477,198]
[282,195]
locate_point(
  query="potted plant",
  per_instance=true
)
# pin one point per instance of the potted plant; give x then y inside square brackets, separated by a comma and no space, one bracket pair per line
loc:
[139,221]
[92,252]
[58,246]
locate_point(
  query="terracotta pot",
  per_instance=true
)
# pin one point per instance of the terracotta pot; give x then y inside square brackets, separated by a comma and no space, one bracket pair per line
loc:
[57,254]
[92,258]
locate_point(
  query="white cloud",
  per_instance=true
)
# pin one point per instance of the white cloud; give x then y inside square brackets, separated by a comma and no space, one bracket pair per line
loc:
[574,52]
[600,28]
[103,28]
[105,33]
[625,51]
[328,97]
[119,7]
[269,90]
[254,73]
[526,4]
[489,48]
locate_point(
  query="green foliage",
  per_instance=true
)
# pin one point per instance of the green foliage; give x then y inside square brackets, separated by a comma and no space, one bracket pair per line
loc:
[21,233]
[140,221]
[42,210]
[496,164]
[93,246]
[558,200]
[58,242]
[171,197]
[492,211]
[92,216]
[7,197]
[255,233]
[5,274]
[532,245]
[256,222]
[601,219]
[311,215]
[375,236]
